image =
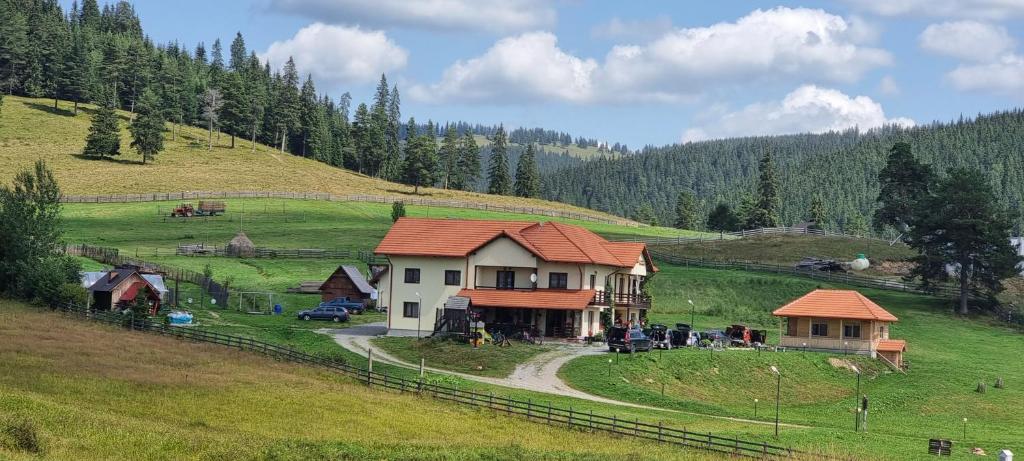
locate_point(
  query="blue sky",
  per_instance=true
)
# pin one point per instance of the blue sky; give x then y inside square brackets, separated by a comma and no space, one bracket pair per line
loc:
[644,72]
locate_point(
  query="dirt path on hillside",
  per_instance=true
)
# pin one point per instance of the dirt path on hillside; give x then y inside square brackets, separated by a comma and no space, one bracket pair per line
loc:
[539,374]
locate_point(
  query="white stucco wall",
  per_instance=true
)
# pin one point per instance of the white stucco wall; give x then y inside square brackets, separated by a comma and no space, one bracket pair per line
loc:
[572,271]
[431,288]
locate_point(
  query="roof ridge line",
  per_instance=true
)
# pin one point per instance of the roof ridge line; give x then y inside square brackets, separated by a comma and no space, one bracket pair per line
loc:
[554,224]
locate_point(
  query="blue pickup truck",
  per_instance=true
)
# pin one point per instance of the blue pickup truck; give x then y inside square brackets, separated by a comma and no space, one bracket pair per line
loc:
[353,307]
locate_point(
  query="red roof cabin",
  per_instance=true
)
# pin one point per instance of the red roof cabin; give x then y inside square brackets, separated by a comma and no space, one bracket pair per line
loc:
[842,321]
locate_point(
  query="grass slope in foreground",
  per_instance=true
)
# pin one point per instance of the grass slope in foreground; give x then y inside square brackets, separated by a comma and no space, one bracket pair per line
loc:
[32,129]
[948,355]
[93,392]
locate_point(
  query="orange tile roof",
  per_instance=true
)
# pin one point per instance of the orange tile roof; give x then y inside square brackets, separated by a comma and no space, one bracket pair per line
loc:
[534,299]
[836,304]
[892,345]
[554,242]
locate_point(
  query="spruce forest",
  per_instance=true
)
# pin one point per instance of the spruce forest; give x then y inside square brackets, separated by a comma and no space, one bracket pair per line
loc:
[840,169]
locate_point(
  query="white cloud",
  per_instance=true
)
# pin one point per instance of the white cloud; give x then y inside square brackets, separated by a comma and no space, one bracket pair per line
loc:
[775,45]
[637,29]
[764,45]
[338,55]
[1004,76]
[980,9]
[808,109]
[495,16]
[526,67]
[888,86]
[967,40]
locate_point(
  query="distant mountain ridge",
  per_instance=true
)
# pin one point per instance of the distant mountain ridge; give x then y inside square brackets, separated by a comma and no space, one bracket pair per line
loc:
[840,166]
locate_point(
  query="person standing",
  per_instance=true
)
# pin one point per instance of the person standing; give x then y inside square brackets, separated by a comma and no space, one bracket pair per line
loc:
[864,412]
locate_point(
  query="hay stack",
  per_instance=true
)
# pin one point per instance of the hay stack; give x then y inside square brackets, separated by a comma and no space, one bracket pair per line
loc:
[241,246]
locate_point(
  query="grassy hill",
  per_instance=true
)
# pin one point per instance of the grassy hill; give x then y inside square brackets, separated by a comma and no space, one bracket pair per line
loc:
[32,129]
[91,392]
[586,153]
[948,355]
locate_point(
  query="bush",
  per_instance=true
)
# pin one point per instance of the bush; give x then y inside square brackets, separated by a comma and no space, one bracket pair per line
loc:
[397,211]
[20,434]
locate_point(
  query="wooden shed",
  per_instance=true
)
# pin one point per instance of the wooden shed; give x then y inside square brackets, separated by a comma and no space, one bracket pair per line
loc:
[346,281]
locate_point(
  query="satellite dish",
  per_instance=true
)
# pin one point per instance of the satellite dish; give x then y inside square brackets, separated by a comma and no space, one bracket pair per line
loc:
[533,278]
[213,301]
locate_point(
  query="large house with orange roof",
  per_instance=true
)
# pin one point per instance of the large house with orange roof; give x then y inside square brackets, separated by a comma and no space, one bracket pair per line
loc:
[840,321]
[551,277]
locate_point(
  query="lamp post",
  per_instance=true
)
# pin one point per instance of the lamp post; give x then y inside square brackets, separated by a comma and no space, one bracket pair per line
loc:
[965,430]
[856,396]
[609,368]
[692,326]
[778,394]
[419,313]
[755,408]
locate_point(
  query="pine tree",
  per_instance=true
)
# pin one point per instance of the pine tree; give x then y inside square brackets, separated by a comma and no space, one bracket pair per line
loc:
[817,214]
[238,62]
[376,136]
[467,167]
[14,44]
[527,182]
[105,134]
[420,164]
[287,108]
[686,211]
[148,127]
[449,155]
[308,115]
[76,71]
[765,212]
[392,147]
[723,219]
[236,110]
[212,103]
[962,224]
[645,214]
[499,181]
[903,181]
[362,134]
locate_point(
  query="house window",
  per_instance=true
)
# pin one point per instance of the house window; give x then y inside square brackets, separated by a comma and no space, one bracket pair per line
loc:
[412,276]
[593,281]
[411,310]
[558,280]
[506,280]
[851,331]
[453,278]
[819,328]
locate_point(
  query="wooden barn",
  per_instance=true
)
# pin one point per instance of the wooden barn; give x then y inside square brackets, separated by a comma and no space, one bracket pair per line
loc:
[119,287]
[346,281]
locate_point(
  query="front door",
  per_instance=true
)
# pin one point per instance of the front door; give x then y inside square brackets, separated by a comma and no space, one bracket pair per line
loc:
[555,325]
[506,280]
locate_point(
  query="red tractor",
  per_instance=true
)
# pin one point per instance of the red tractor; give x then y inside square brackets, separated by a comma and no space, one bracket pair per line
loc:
[185,210]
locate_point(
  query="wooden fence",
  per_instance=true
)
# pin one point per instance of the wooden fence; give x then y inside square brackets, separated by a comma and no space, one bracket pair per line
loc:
[171,196]
[203,249]
[113,257]
[848,279]
[543,413]
[742,234]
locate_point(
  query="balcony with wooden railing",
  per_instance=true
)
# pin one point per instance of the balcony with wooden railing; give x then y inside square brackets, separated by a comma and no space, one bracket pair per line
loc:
[637,300]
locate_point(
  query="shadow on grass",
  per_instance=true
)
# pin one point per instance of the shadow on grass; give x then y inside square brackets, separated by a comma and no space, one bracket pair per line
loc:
[50,109]
[121,161]
[409,193]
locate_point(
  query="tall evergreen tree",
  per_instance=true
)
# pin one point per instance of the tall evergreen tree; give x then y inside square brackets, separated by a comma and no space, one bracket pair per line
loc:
[392,150]
[14,46]
[963,225]
[686,211]
[236,112]
[287,102]
[76,70]
[903,181]
[420,164]
[239,62]
[449,155]
[105,134]
[376,140]
[765,212]
[467,167]
[498,178]
[308,115]
[527,183]
[817,214]
[148,127]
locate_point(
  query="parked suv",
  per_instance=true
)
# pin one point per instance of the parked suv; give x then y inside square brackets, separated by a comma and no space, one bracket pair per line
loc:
[624,339]
[335,314]
[660,335]
[353,307]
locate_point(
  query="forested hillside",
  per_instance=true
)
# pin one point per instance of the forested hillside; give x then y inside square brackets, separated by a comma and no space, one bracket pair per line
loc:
[841,167]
